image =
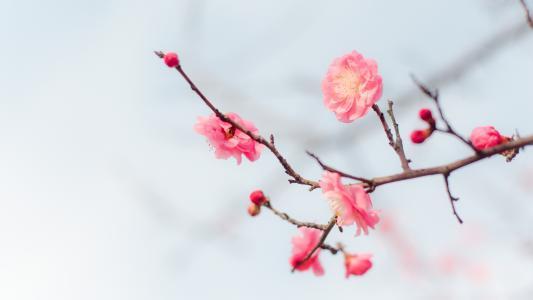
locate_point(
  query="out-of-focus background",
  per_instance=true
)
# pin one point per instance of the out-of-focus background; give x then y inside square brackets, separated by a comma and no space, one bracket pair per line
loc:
[107,193]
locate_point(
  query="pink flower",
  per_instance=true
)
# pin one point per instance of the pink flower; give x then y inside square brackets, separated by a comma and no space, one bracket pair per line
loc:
[301,246]
[351,86]
[357,264]
[227,140]
[350,203]
[171,59]
[486,137]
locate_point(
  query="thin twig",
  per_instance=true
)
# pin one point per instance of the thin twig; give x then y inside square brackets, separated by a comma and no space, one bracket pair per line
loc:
[297,178]
[287,218]
[342,174]
[398,144]
[319,244]
[395,144]
[529,18]
[434,95]
[384,124]
[331,249]
[452,198]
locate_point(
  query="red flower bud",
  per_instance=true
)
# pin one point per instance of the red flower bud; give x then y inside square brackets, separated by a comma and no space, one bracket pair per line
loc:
[254,210]
[425,114]
[171,59]
[418,136]
[257,197]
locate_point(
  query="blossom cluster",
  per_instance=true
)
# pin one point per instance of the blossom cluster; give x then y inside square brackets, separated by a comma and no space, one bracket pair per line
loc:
[351,87]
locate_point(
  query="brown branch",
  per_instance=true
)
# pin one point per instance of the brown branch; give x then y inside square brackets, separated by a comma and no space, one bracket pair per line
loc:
[385,125]
[297,178]
[331,249]
[342,174]
[434,95]
[452,198]
[319,244]
[287,218]
[529,18]
[397,144]
[449,168]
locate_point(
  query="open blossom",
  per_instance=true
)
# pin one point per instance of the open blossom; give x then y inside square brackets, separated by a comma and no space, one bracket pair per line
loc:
[486,137]
[227,140]
[301,246]
[357,264]
[350,203]
[351,86]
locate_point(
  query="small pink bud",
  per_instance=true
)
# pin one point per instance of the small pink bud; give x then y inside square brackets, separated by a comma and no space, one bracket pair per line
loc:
[171,59]
[254,210]
[419,136]
[425,114]
[257,197]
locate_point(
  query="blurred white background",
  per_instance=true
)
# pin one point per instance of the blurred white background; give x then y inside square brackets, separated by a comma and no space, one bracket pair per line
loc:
[107,193]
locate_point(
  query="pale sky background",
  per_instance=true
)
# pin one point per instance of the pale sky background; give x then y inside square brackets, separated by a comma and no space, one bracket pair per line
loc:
[107,193]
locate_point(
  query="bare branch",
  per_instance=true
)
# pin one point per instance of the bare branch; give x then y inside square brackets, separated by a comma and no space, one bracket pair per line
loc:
[452,198]
[384,124]
[287,218]
[342,174]
[297,178]
[397,144]
[448,168]
[319,244]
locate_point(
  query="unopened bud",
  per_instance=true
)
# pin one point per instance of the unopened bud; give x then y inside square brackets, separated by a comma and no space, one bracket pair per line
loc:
[254,210]
[257,197]
[171,59]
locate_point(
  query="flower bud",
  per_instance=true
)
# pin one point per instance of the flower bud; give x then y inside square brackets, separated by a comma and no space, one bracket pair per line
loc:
[171,59]
[254,210]
[419,136]
[257,197]
[426,115]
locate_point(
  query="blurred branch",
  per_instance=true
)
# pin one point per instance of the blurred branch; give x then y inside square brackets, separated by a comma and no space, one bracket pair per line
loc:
[529,18]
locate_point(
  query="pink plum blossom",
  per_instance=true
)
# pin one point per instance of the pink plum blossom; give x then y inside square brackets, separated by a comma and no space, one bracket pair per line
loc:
[227,140]
[301,246]
[357,264]
[350,203]
[486,137]
[351,86]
